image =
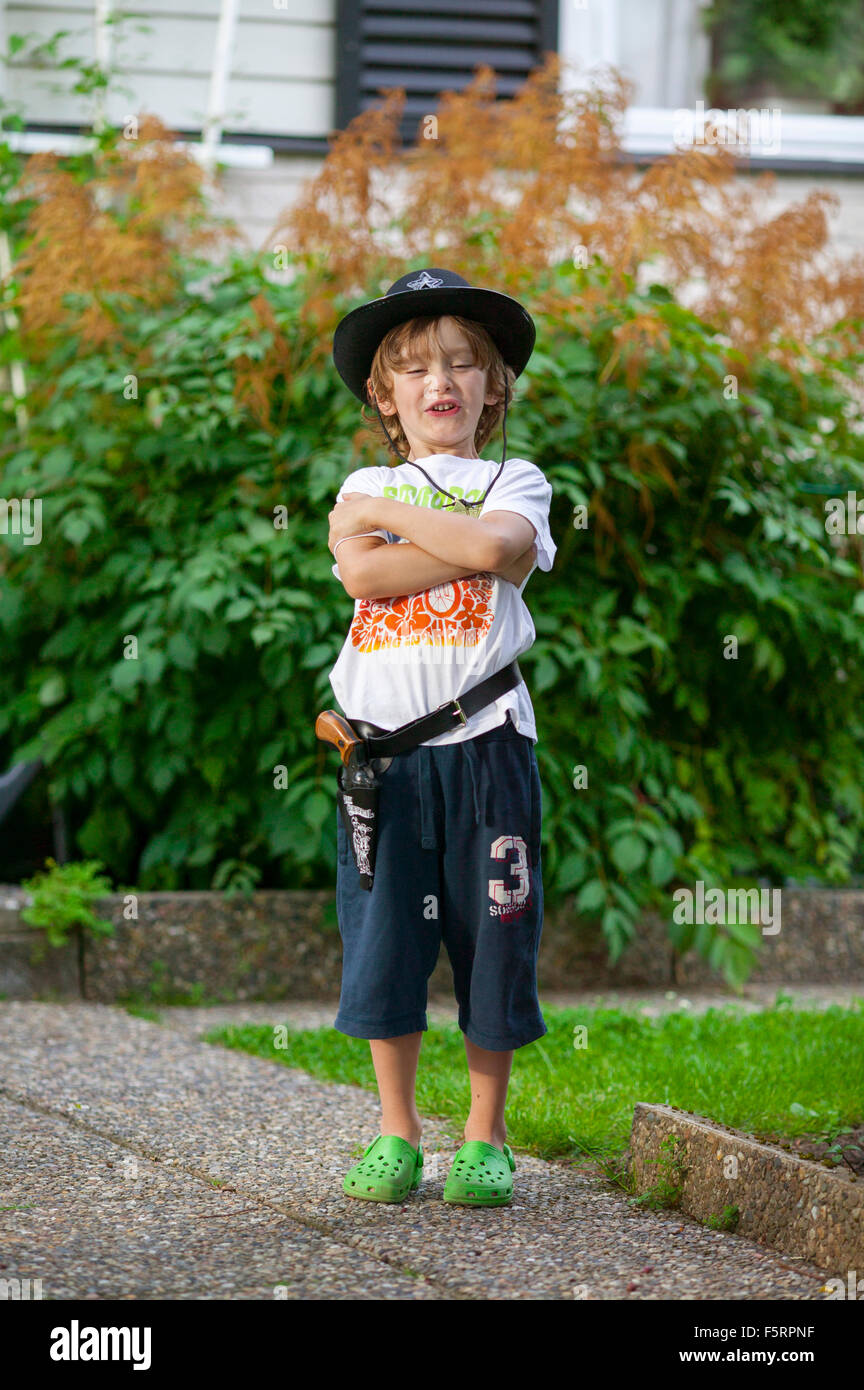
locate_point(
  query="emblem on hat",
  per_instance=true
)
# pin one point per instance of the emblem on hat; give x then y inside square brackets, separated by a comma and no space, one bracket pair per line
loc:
[425,282]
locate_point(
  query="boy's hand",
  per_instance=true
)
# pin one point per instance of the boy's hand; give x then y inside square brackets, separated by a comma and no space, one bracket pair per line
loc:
[350,516]
[518,568]
[355,513]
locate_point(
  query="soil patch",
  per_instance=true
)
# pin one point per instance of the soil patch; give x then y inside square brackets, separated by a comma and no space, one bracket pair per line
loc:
[845,1151]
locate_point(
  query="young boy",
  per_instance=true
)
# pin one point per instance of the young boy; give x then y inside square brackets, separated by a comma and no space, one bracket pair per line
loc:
[436,562]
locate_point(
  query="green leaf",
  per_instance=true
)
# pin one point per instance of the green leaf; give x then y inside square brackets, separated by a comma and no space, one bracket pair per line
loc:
[238,609]
[208,598]
[592,896]
[545,673]
[628,853]
[316,809]
[181,651]
[661,865]
[52,691]
[76,527]
[572,870]
[123,768]
[125,675]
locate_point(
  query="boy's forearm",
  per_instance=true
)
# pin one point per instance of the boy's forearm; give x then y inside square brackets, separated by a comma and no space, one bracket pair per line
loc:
[388,571]
[456,538]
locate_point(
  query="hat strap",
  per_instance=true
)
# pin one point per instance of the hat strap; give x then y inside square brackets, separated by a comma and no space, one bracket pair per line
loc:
[432,480]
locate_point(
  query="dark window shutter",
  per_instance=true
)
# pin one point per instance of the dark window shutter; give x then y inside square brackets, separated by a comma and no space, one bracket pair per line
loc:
[435,48]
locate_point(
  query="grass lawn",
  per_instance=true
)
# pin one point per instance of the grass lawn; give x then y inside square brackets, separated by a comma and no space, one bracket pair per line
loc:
[780,1069]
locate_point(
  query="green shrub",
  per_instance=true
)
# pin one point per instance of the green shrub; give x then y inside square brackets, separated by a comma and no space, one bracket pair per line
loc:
[158,522]
[63,900]
[167,645]
[812,48]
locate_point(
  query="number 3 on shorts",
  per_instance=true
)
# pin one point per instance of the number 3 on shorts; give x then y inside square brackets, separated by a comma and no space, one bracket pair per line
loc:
[498,891]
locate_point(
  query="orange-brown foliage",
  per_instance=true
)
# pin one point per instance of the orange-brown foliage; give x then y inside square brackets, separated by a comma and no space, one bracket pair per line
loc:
[543,173]
[547,170]
[108,237]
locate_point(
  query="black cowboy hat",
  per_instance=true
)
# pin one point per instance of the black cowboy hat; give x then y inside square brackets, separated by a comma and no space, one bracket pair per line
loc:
[429,292]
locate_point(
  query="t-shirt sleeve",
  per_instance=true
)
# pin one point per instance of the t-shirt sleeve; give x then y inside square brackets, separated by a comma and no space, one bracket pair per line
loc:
[524,489]
[362,480]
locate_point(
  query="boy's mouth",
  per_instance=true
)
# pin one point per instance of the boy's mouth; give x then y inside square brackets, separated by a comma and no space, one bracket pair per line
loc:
[443,408]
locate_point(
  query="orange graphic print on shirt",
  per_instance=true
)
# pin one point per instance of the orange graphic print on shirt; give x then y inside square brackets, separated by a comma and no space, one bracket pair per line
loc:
[455,614]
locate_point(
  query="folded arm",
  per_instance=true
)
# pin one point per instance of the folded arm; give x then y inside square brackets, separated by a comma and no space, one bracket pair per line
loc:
[484,543]
[373,569]
[439,546]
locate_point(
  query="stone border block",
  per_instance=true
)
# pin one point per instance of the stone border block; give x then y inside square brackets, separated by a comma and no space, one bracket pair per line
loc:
[792,1204]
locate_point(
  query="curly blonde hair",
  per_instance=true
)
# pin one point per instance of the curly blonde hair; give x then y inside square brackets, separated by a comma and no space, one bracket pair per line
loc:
[397,347]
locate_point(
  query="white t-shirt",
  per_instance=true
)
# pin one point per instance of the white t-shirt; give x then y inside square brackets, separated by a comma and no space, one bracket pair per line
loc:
[405,656]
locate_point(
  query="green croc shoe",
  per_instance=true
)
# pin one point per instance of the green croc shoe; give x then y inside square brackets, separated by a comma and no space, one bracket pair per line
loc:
[480,1175]
[387,1172]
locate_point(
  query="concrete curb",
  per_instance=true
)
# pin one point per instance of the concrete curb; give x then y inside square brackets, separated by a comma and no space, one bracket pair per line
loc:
[789,1203]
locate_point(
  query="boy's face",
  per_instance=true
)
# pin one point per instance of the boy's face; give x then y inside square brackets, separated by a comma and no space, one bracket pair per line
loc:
[445,374]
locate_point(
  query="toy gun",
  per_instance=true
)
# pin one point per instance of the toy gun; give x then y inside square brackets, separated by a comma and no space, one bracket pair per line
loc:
[332,728]
[358,784]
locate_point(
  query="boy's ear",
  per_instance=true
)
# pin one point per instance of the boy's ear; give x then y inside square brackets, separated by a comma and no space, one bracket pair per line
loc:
[383,399]
[385,405]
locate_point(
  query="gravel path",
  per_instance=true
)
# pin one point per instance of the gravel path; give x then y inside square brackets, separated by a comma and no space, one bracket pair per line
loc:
[143,1163]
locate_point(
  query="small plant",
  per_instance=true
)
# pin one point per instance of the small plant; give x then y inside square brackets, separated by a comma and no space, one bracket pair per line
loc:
[617,1168]
[235,876]
[618,1172]
[144,1011]
[63,897]
[726,1221]
[666,1191]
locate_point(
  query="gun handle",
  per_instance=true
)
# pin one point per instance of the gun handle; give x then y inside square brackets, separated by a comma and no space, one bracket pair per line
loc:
[332,728]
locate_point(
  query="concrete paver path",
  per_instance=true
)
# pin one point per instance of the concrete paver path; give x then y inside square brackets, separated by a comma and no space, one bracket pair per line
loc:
[141,1162]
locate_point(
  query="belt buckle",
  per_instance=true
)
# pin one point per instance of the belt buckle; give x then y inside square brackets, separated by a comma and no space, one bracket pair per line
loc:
[458,710]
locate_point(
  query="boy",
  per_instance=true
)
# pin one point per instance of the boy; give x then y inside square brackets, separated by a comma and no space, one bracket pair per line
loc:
[437,571]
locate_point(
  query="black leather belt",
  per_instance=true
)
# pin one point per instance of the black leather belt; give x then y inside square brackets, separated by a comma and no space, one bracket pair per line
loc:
[382,743]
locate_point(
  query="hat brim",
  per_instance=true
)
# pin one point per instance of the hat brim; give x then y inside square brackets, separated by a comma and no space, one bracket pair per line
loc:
[360,332]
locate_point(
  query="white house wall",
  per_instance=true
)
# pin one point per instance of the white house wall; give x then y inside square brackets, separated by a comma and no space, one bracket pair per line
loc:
[282,74]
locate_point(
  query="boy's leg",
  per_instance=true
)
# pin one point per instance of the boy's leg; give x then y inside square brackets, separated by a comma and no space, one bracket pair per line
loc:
[395,1062]
[490,1077]
[391,936]
[492,887]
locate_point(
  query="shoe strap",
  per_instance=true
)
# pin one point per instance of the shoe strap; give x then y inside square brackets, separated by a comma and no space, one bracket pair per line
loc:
[416,1153]
[481,1146]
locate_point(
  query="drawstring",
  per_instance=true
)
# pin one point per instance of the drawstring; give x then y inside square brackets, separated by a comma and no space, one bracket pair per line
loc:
[481,794]
[428,838]
[480,788]
[471,754]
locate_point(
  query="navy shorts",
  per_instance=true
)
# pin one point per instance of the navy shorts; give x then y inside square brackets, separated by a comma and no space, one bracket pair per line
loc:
[458,858]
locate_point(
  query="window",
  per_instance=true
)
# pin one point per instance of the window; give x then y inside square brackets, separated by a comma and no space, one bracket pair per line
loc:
[384,44]
[738,60]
